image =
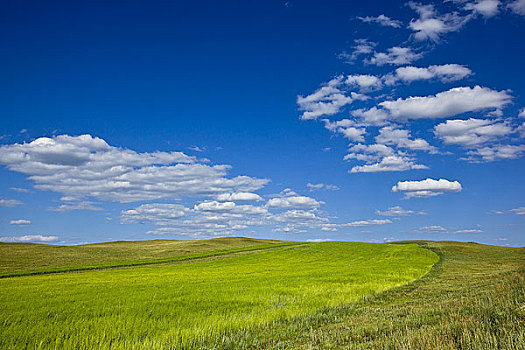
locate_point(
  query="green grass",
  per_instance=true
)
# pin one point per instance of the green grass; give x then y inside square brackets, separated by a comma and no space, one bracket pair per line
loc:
[23,257]
[247,300]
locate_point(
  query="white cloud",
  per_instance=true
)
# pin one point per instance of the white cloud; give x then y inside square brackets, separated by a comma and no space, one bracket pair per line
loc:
[471,132]
[328,100]
[389,163]
[9,203]
[431,229]
[518,7]
[364,82]
[371,116]
[293,202]
[359,223]
[329,187]
[382,20]
[494,153]
[30,238]
[345,127]
[518,211]
[18,189]
[75,205]
[426,188]
[522,111]
[447,103]
[20,222]
[431,25]
[401,138]
[361,47]
[369,153]
[398,211]
[469,231]
[318,240]
[445,73]
[240,196]
[486,8]
[395,56]
[86,166]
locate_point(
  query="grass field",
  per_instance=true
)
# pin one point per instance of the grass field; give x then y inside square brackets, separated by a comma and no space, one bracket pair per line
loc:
[229,300]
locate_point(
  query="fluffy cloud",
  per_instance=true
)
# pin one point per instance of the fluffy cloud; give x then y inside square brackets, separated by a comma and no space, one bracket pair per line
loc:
[372,116]
[431,25]
[361,47]
[20,222]
[518,7]
[469,231]
[382,20]
[486,8]
[347,129]
[328,100]
[389,163]
[431,229]
[518,211]
[494,153]
[401,138]
[398,211]
[71,205]
[293,202]
[318,240]
[445,73]
[448,103]
[30,238]
[314,187]
[240,196]
[471,132]
[86,166]
[394,56]
[359,223]
[364,82]
[9,203]
[426,188]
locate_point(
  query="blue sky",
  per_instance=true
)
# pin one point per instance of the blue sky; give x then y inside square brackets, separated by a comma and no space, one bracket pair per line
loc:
[311,120]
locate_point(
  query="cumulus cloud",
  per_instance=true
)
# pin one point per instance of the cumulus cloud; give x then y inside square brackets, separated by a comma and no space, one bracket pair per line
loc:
[389,163]
[30,238]
[444,73]
[471,132]
[390,135]
[398,211]
[9,203]
[320,186]
[431,25]
[328,100]
[362,47]
[394,56]
[382,20]
[293,202]
[426,188]
[518,211]
[518,7]
[347,129]
[364,82]
[447,103]
[71,205]
[239,197]
[20,222]
[431,229]
[86,166]
[494,153]
[469,231]
[372,116]
[486,8]
[318,240]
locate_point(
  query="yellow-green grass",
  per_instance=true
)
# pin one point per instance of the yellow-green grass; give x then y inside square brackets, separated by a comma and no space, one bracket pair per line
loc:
[18,259]
[472,299]
[202,303]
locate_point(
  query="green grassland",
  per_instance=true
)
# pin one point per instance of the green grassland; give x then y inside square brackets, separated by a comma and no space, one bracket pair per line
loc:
[237,293]
[205,302]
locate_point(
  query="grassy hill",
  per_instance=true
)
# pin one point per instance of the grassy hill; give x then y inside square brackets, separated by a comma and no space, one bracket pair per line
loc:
[242,293]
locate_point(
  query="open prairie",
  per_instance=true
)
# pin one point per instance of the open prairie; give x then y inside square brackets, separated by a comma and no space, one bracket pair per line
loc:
[242,293]
[188,303]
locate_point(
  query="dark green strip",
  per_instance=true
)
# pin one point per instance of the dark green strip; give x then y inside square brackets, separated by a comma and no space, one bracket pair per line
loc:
[209,254]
